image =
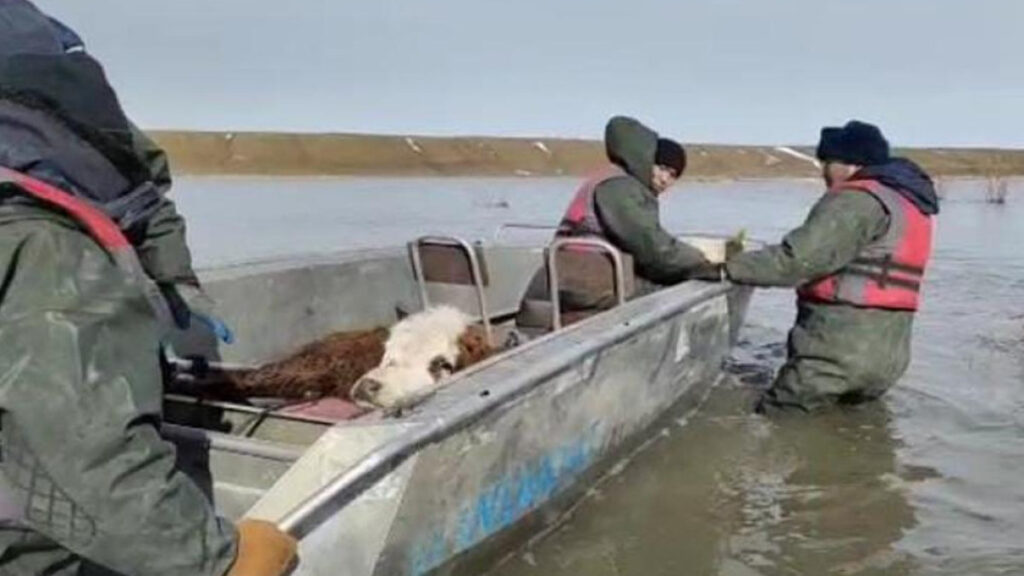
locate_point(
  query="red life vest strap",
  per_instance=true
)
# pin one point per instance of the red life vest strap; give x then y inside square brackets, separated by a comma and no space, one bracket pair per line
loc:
[882,279]
[99,226]
[882,271]
[889,263]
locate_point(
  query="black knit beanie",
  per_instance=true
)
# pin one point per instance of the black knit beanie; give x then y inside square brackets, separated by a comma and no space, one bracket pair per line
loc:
[670,154]
[856,143]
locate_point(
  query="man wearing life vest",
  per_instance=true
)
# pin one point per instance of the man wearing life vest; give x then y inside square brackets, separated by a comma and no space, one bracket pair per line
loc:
[859,263]
[619,203]
[92,256]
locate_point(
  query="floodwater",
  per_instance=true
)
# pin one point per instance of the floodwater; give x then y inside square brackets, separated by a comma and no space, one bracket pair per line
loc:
[930,481]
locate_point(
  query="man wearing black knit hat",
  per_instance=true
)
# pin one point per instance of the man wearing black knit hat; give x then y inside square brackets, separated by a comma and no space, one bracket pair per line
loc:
[619,203]
[858,264]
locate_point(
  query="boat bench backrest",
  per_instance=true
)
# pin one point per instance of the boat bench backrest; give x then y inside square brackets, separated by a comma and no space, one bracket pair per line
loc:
[450,265]
[587,287]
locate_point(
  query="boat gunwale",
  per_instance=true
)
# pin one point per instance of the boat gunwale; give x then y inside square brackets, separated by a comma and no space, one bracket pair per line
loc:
[233,270]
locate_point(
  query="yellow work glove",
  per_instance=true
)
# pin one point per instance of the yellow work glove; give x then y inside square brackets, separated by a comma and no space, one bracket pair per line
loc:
[263,550]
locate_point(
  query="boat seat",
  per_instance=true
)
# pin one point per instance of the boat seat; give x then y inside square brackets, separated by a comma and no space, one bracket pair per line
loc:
[450,270]
[448,264]
[588,284]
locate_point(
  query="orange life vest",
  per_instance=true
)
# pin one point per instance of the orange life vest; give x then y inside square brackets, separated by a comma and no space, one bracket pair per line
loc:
[888,273]
[581,218]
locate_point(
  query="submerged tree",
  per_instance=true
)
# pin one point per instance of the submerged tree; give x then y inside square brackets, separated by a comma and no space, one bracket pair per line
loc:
[997,191]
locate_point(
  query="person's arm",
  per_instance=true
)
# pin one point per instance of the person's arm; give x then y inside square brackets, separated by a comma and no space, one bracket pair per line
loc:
[631,218]
[80,398]
[162,246]
[163,249]
[839,226]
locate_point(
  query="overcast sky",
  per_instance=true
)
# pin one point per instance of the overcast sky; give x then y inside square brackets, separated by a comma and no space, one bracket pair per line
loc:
[931,72]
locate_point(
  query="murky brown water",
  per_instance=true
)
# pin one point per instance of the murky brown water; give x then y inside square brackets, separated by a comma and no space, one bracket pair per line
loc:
[930,481]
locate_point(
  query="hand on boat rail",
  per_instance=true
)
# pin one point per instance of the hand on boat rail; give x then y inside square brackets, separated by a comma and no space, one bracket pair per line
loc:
[263,550]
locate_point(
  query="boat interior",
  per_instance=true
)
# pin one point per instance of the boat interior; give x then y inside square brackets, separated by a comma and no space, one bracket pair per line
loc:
[277,307]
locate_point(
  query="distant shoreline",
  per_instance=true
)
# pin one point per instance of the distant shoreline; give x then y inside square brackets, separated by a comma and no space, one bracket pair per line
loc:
[284,154]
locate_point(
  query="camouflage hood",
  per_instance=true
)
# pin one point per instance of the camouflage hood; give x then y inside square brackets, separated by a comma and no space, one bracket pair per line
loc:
[632,146]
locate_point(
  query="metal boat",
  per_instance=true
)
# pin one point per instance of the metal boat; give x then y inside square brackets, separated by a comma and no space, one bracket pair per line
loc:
[483,459]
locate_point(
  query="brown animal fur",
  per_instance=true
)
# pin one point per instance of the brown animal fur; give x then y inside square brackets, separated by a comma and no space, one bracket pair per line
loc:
[330,367]
[473,348]
[327,367]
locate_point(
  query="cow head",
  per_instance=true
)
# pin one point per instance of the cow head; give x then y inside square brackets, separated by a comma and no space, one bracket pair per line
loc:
[421,350]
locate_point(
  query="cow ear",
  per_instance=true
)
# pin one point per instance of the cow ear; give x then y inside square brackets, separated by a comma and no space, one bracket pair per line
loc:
[473,348]
[440,367]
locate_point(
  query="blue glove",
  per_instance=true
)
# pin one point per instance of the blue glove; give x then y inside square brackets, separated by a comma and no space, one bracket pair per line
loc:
[217,326]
